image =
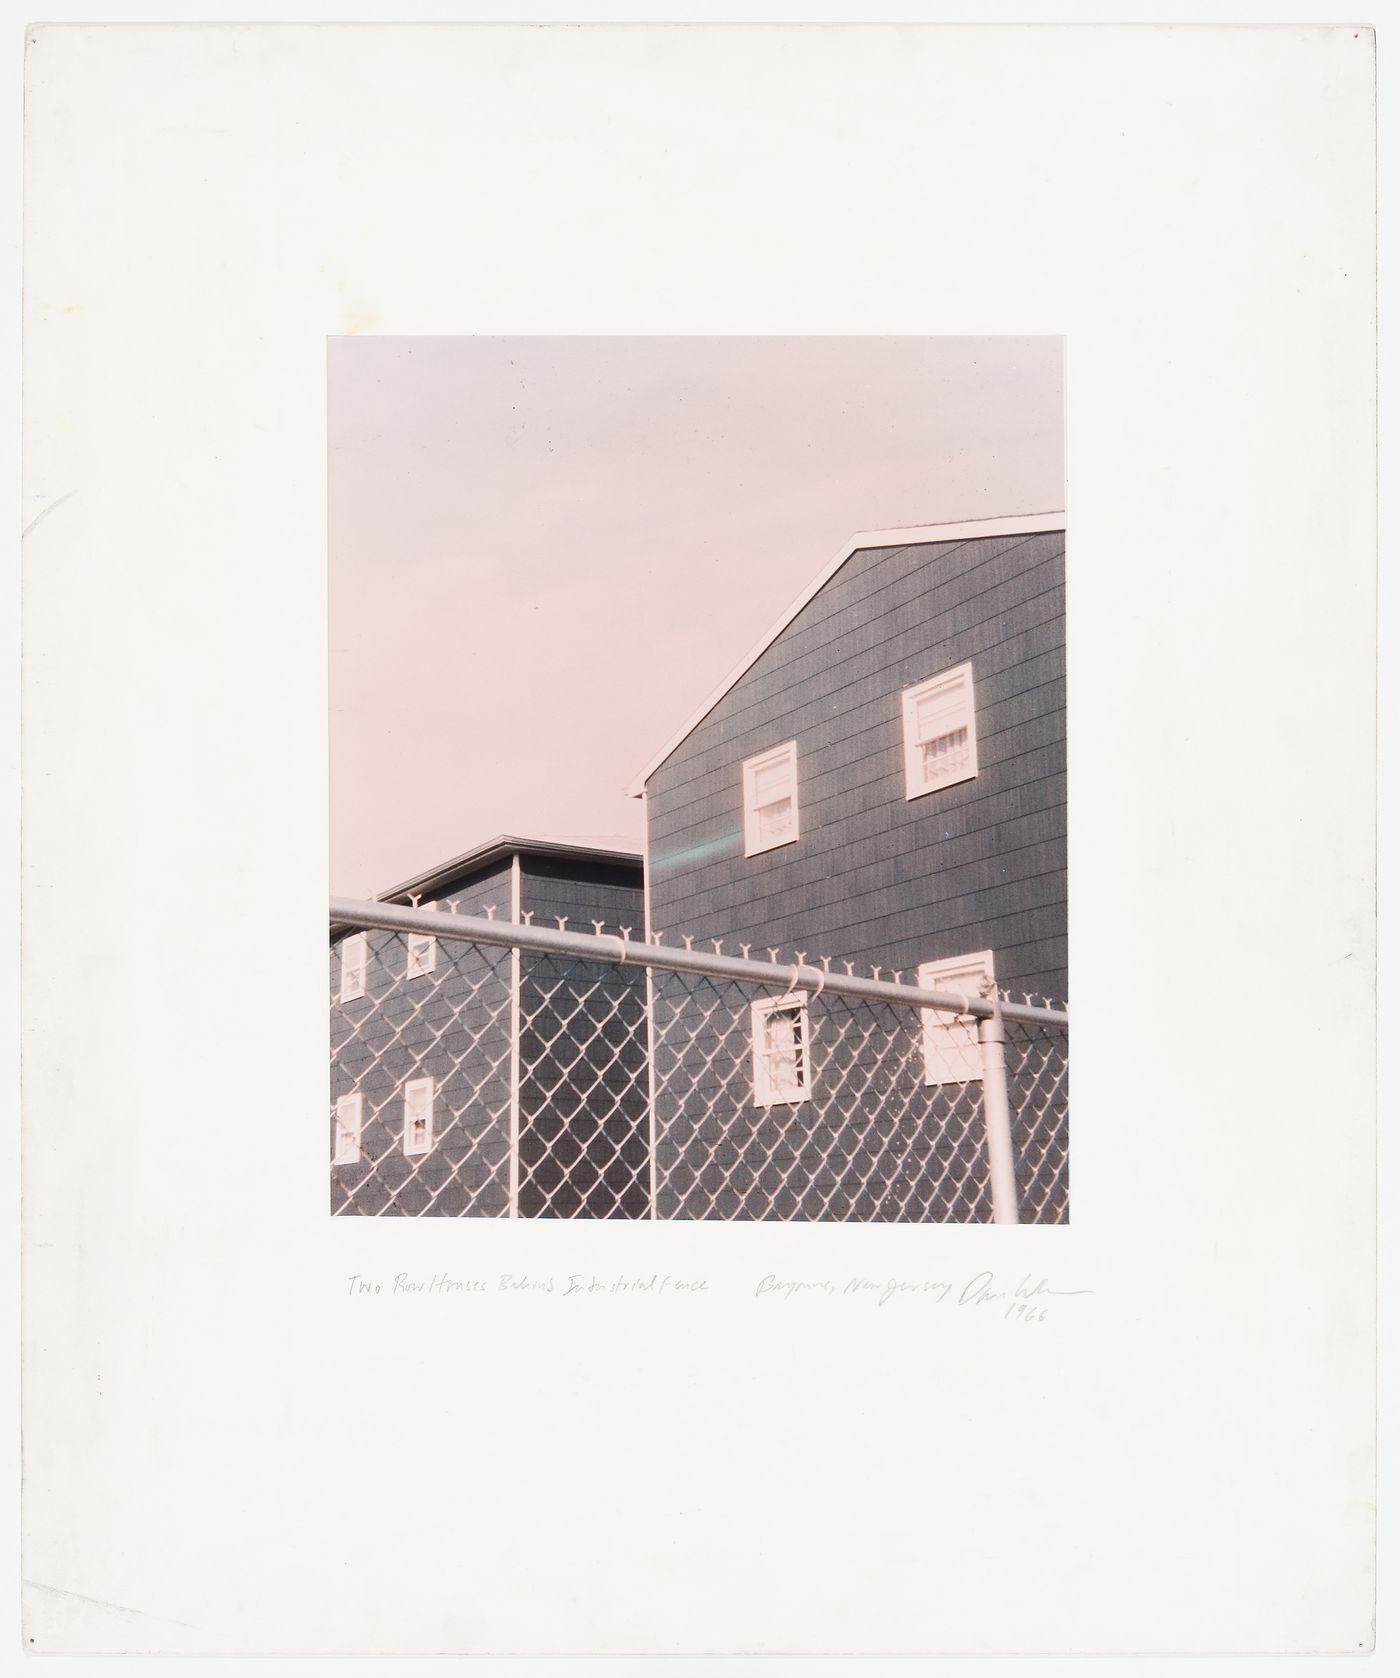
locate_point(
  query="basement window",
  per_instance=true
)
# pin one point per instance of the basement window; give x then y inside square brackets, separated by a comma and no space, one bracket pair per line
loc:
[418,1116]
[781,1057]
[354,958]
[940,733]
[422,951]
[951,1052]
[770,799]
[349,1115]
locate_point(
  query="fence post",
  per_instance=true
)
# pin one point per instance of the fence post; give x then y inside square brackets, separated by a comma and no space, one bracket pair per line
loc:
[651,1093]
[513,1186]
[996,1110]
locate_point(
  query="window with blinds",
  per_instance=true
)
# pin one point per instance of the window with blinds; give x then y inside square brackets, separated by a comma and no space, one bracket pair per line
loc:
[770,799]
[354,958]
[349,1113]
[940,735]
[781,1061]
[951,1051]
[418,1116]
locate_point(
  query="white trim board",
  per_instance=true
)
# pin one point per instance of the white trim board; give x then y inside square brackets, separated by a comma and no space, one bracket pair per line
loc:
[1021,524]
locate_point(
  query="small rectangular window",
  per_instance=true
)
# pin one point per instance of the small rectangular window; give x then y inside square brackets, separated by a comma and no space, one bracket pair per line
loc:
[422,950]
[951,1051]
[940,733]
[354,957]
[782,1066]
[418,1116]
[349,1112]
[770,799]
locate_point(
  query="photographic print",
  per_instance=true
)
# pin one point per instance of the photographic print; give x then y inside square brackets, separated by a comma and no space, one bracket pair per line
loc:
[684,936]
[578,560]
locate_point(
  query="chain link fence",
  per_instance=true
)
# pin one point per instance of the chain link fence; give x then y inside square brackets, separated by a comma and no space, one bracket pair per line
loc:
[1037,1059]
[486,1069]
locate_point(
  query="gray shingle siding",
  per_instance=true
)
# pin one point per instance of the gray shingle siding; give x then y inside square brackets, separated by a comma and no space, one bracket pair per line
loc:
[582,891]
[582,1084]
[583,1093]
[876,878]
[489,889]
[914,1155]
[452,1025]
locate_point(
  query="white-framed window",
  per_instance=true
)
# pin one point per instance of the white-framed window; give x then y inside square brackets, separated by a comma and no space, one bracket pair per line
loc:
[422,950]
[770,799]
[349,1115]
[354,958]
[940,732]
[951,1052]
[782,1062]
[418,1116]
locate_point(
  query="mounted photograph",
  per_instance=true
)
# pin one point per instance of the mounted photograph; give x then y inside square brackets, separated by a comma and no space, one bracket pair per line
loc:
[698,779]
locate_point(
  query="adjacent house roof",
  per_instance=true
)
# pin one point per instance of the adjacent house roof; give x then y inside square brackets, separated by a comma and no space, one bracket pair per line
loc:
[1023,524]
[500,849]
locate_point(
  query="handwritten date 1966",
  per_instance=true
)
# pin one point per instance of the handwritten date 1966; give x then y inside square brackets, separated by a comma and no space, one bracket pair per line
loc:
[1027,1302]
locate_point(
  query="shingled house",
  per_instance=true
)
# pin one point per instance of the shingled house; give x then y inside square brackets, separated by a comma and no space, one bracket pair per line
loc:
[881,782]
[443,1053]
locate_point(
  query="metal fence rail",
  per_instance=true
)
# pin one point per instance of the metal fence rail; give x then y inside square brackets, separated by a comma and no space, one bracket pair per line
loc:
[489,1068]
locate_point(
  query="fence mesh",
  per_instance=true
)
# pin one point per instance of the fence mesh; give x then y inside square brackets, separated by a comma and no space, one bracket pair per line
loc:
[865,1139]
[583,1089]
[473,1080]
[451,1024]
[1037,1076]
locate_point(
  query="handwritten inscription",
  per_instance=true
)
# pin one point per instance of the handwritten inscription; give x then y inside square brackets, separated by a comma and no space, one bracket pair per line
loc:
[1025,1300]
[576,1283]
[656,1284]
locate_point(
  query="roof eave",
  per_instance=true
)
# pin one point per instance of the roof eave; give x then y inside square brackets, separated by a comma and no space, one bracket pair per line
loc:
[495,850]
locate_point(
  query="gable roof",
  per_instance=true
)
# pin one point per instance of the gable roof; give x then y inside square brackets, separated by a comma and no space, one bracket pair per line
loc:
[500,849]
[1022,524]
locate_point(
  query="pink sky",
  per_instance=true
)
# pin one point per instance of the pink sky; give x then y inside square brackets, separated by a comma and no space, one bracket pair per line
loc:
[546,552]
